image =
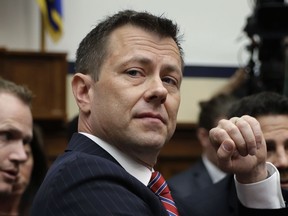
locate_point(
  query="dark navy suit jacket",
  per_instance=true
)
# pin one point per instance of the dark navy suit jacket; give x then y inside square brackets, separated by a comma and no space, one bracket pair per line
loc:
[86,180]
[195,193]
[191,180]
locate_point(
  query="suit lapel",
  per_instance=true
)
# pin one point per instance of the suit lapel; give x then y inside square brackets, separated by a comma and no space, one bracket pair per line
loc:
[201,176]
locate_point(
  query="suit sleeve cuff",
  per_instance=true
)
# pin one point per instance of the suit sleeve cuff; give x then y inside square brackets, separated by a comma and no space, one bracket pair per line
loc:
[265,194]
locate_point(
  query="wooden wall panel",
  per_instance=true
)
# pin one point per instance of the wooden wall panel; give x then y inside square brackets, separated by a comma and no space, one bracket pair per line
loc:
[45,74]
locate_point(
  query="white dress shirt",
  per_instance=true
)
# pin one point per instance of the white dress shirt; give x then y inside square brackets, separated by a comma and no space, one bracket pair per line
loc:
[214,172]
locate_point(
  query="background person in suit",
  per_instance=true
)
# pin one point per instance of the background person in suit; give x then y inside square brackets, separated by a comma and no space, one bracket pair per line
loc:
[204,172]
[271,111]
[127,87]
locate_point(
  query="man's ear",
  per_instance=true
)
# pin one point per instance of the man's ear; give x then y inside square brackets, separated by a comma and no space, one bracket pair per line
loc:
[203,137]
[81,87]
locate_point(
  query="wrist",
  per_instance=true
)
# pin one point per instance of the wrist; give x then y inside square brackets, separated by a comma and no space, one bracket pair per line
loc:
[258,174]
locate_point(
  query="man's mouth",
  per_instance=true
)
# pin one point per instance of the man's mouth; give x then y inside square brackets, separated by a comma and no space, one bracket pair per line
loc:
[10,175]
[152,116]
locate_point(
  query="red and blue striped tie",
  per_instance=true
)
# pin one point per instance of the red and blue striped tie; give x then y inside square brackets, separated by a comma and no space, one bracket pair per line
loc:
[159,186]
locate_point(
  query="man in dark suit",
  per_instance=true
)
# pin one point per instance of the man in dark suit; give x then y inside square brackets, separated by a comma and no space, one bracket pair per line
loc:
[271,111]
[127,87]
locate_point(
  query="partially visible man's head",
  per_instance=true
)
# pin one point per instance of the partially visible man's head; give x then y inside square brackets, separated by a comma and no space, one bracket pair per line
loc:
[211,111]
[127,86]
[271,110]
[93,49]
[15,135]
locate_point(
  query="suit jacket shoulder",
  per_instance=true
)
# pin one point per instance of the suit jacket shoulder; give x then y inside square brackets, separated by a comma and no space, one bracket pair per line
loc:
[86,180]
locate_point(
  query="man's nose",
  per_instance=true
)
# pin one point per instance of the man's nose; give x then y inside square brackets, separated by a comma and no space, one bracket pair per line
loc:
[18,152]
[281,159]
[156,91]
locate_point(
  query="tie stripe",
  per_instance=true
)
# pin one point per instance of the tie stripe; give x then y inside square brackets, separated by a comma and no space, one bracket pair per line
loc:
[159,186]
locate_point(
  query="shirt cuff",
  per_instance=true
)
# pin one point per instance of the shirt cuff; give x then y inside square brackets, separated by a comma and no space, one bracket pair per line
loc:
[265,194]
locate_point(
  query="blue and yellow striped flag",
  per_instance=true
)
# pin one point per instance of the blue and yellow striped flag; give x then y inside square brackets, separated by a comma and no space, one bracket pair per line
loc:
[52,14]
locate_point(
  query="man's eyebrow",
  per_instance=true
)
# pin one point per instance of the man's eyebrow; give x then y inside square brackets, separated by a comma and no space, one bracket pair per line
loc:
[172,68]
[144,60]
[10,130]
[141,59]
[16,133]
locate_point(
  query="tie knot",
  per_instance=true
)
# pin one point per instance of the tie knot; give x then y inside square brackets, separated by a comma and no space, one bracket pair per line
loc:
[158,184]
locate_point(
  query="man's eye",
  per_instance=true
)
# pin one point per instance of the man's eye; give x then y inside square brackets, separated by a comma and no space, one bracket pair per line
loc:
[286,144]
[5,136]
[169,80]
[28,150]
[134,73]
[270,146]
[26,141]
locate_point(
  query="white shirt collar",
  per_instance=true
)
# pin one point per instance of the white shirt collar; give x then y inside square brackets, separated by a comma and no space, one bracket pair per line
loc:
[214,172]
[139,171]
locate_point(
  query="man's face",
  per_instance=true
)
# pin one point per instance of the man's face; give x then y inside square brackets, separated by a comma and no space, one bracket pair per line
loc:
[136,100]
[15,135]
[25,171]
[275,130]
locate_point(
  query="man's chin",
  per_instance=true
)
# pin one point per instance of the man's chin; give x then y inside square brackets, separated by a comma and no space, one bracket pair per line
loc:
[19,187]
[5,189]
